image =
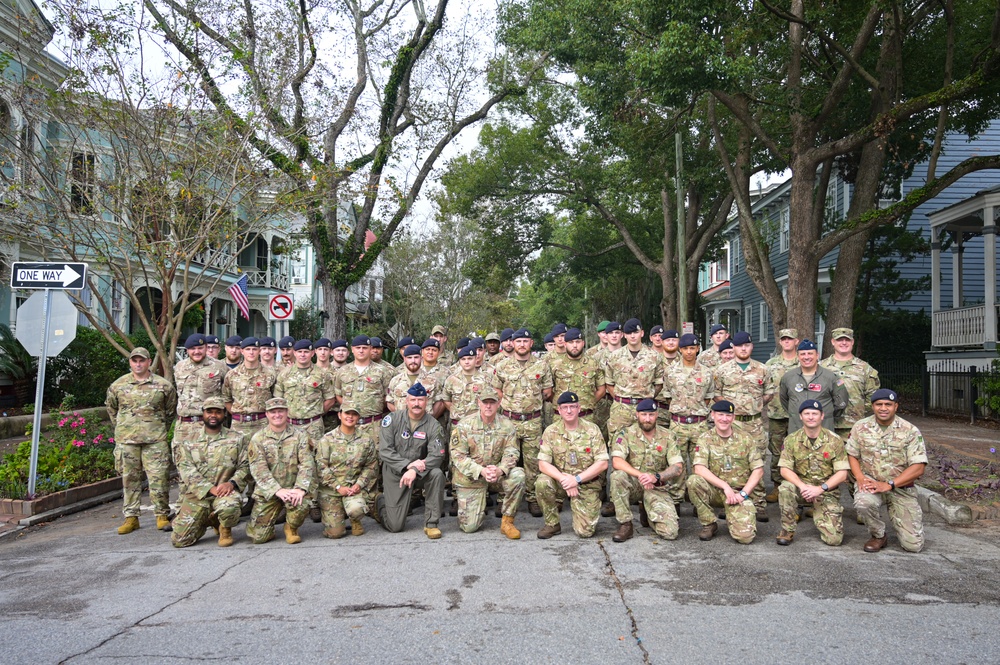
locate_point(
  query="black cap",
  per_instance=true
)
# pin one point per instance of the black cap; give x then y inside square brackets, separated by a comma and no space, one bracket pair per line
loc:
[267,341]
[430,342]
[506,334]
[656,330]
[810,404]
[249,343]
[568,397]
[670,333]
[647,404]
[404,342]
[807,345]
[194,340]
[211,339]
[235,340]
[323,343]
[376,342]
[742,337]
[572,334]
[885,393]
[303,344]
[417,390]
[361,340]
[631,326]
[411,350]
[688,339]
[724,406]
[559,329]
[462,342]
[523,333]
[466,351]
[612,327]
[286,342]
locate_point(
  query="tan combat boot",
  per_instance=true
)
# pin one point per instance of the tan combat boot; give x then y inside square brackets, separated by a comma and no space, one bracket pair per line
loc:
[130,525]
[225,536]
[432,532]
[292,535]
[357,529]
[772,496]
[162,522]
[549,530]
[508,529]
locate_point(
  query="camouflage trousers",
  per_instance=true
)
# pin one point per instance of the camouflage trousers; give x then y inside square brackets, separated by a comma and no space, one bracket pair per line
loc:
[586,506]
[336,508]
[602,410]
[548,413]
[622,415]
[472,500]
[741,518]
[195,516]
[904,511]
[131,460]
[183,434]
[687,435]
[260,528]
[828,514]
[758,432]
[249,429]
[777,430]
[529,439]
[844,434]
[658,503]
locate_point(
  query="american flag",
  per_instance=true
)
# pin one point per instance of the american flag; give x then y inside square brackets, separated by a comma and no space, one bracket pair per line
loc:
[239,293]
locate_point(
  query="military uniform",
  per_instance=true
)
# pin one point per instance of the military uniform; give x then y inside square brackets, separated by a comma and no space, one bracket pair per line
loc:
[825,387]
[401,382]
[305,389]
[522,385]
[195,383]
[861,381]
[733,460]
[583,376]
[210,460]
[400,443]
[463,390]
[279,460]
[366,388]
[646,455]
[573,452]
[746,389]
[634,378]
[814,461]
[689,390]
[883,456]
[344,460]
[710,357]
[141,411]
[248,389]
[777,415]
[475,445]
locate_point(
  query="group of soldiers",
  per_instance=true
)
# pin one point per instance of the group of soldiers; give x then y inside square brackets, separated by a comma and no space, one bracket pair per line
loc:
[330,430]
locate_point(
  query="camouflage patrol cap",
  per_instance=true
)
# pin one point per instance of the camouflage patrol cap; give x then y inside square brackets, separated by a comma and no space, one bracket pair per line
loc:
[213,403]
[349,406]
[492,337]
[276,403]
[439,329]
[489,393]
[842,332]
[790,333]
[139,351]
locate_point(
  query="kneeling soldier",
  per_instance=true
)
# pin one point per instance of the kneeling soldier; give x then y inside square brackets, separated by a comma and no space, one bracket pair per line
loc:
[284,469]
[646,460]
[813,463]
[347,465]
[214,469]
[484,456]
[725,458]
[571,458]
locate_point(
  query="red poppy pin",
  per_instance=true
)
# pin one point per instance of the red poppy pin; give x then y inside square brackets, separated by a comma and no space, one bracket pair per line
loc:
[586,450]
[659,449]
[826,455]
[538,376]
[211,375]
[585,374]
[642,368]
[258,384]
[760,382]
[368,379]
[315,384]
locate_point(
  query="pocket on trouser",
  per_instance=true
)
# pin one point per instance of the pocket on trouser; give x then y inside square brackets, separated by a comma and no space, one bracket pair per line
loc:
[118,459]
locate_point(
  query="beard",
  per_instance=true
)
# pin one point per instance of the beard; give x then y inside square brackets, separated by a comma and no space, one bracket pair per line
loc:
[574,355]
[647,427]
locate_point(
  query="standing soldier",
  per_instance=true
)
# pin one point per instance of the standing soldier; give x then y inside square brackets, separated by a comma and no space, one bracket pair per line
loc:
[576,372]
[492,347]
[572,458]
[813,464]
[462,388]
[395,399]
[602,337]
[646,459]
[506,346]
[347,466]
[743,382]
[689,388]
[283,466]
[809,381]
[308,390]
[887,455]
[141,406]
[365,385]
[860,379]
[600,353]
[268,349]
[377,350]
[234,353]
[286,347]
[340,353]
[671,346]
[777,416]
[727,469]
[710,357]
[215,470]
[446,357]
[484,457]
[525,382]
[212,346]
[632,374]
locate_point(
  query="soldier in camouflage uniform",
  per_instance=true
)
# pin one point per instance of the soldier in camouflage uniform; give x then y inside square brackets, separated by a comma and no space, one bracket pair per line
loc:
[632,374]
[813,464]
[484,456]
[246,389]
[777,416]
[578,373]
[710,357]
[215,469]
[347,466]
[283,466]
[506,347]
[645,458]
[462,389]
[307,389]
[887,455]
[286,348]
[571,459]
[197,378]
[671,346]
[378,348]
[525,383]
[268,349]
[809,381]
[688,390]
[600,352]
[727,468]
[141,405]
[743,381]
[234,353]
[395,399]
[860,379]
[492,346]
[445,357]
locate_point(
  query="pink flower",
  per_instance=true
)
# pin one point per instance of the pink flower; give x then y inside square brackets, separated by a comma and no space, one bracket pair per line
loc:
[63,421]
[83,431]
[79,444]
[73,425]
[97,439]
[111,439]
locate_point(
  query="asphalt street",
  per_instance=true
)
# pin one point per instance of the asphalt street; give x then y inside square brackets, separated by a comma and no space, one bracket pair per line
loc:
[73,591]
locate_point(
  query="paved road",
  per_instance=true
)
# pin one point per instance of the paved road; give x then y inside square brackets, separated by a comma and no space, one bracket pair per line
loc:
[74,591]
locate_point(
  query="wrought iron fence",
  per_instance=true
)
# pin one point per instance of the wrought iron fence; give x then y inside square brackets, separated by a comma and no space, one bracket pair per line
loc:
[952,388]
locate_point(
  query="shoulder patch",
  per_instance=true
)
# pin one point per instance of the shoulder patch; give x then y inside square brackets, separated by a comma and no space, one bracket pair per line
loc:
[387,421]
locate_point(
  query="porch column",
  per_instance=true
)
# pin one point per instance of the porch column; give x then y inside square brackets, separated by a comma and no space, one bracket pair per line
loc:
[207,323]
[990,277]
[935,270]
[956,271]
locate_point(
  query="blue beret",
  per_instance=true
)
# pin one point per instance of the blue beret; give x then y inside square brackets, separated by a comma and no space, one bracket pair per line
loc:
[249,342]
[235,340]
[268,342]
[428,343]
[194,340]
[548,339]
[568,397]
[417,390]
[338,344]
[718,327]
[724,406]
[361,340]
[323,343]
[667,334]
[211,339]
[286,342]
[523,333]
[303,344]
[376,342]
[885,393]
[726,344]
[559,329]
[467,351]
[688,339]
[742,337]
[478,343]
[572,334]
[612,327]
[656,330]
[404,342]
[807,345]
[646,405]
[506,334]
[631,326]
[462,342]
[810,404]
[411,350]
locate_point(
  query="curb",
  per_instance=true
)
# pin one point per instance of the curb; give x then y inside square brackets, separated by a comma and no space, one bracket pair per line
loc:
[79,506]
[955,514]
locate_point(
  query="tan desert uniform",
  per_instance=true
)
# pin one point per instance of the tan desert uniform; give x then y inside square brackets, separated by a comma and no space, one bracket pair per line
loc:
[572,452]
[475,445]
[634,379]
[814,461]
[647,455]
[522,385]
[732,459]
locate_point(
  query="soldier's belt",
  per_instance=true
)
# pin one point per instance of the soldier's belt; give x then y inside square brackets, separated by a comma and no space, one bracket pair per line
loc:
[370,419]
[586,412]
[746,419]
[687,420]
[189,419]
[304,421]
[454,421]
[628,400]
[663,405]
[513,415]
[248,417]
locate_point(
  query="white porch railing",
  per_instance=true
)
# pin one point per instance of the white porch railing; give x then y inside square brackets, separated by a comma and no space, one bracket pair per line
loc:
[216,258]
[965,326]
[271,279]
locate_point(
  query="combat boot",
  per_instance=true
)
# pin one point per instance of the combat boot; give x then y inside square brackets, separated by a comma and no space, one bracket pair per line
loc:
[162,522]
[607,509]
[357,529]
[623,533]
[315,514]
[292,535]
[534,509]
[225,536]
[772,496]
[762,515]
[432,532]
[708,531]
[453,508]
[785,537]
[548,531]
[130,525]
[508,529]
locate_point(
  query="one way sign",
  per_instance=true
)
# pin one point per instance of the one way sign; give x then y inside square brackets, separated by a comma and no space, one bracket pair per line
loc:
[25,275]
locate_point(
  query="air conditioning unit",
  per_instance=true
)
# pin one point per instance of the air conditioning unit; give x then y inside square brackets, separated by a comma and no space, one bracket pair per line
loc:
[298,280]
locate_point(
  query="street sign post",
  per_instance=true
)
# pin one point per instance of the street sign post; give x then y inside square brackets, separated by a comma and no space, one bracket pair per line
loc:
[280,308]
[35,330]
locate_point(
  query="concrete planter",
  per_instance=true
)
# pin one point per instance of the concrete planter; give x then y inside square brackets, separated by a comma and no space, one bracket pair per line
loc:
[56,500]
[15,426]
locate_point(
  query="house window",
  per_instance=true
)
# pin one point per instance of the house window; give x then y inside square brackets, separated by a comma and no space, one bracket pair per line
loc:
[117,302]
[765,322]
[82,180]
[783,229]
[734,256]
[722,268]
[748,318]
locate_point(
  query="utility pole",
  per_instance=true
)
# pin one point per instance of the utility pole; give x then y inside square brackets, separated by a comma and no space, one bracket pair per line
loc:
[682,308]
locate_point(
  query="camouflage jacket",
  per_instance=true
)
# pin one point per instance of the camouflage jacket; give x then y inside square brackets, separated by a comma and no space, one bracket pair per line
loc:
[776,368]
[885,455]
[636,377]
[572,451]
[249,389]
[583,376]
[462,392]
[647,455]
[861,381]
[305,390]
[346,459]
[212,459]
[141,411]
[745,389]
[367,389]
[522,384]
[400,383]
[689,389]
[732,459]
[475,445]
[281,460]
[814,461]
[710,357]
[195,382]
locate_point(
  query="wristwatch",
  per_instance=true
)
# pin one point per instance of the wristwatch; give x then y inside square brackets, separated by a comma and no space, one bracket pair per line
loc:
[825,487]
[892,484]
[579,481]
[744,495]
[657,479]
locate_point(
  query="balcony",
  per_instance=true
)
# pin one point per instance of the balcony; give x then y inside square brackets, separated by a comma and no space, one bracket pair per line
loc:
[965,326]
[267,279]
[216,258]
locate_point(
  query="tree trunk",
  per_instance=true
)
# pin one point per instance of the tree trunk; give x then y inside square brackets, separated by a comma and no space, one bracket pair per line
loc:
[335,305]
[803,266]
[668,303]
